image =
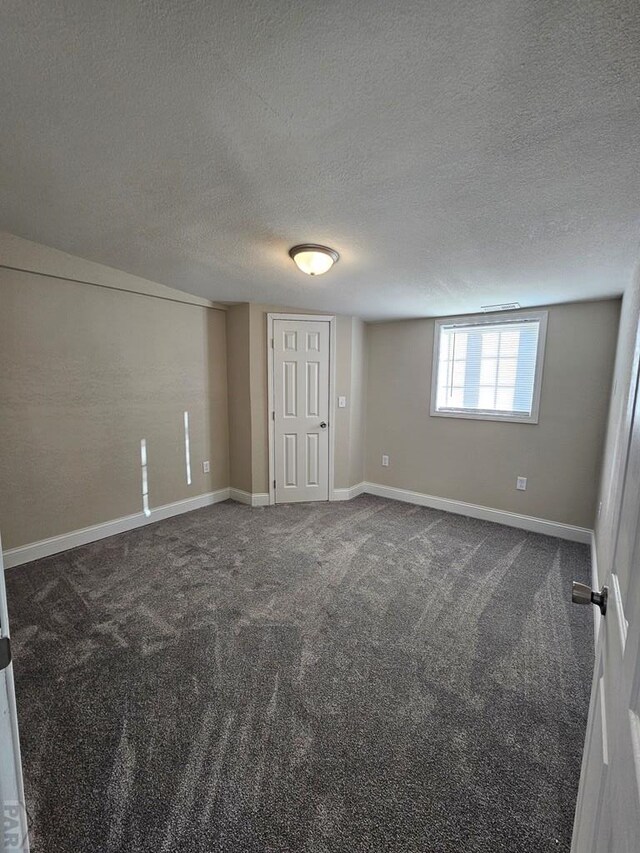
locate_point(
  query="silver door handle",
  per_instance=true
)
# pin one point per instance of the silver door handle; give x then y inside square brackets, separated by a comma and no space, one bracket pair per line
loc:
[583,594]
[323,425]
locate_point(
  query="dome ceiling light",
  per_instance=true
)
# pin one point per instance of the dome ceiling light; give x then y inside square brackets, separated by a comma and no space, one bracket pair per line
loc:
[313,259]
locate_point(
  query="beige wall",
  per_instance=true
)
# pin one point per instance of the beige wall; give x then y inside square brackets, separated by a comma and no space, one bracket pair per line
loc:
[619,426]
[342,445]
[86,373]
[478,461]
[239,385]
[357,406]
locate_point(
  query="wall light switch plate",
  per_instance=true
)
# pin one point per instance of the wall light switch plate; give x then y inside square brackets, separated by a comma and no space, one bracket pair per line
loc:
[342,402]
[205,467]
[521,483]
[385,460]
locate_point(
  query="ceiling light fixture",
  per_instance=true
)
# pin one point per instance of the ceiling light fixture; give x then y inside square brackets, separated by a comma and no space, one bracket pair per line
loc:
[313,259]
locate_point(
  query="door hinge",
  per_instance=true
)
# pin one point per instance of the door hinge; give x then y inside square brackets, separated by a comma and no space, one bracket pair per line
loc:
[274,484]
[273,416]
[5,652]
[272,343]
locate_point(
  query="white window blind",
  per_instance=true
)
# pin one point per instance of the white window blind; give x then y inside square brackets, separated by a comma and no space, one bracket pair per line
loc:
[489,369]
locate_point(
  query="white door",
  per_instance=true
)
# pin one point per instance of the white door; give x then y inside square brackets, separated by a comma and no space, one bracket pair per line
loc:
[13,831]
[608,809]
[301,409]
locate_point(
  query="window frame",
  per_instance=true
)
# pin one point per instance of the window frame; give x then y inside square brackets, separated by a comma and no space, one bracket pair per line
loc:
[494,319]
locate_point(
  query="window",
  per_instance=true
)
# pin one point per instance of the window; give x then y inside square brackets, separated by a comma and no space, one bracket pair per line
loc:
[489,367]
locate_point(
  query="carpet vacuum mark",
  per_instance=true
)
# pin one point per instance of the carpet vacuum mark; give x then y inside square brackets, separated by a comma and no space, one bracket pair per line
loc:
[357,676]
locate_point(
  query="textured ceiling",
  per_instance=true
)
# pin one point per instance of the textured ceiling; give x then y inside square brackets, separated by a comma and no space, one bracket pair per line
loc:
[455,153]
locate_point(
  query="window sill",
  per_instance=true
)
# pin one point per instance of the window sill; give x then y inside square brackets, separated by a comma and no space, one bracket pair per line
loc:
[485,416]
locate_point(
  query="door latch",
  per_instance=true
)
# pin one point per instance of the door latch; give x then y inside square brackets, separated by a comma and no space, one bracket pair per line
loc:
[5,652]
[583,594]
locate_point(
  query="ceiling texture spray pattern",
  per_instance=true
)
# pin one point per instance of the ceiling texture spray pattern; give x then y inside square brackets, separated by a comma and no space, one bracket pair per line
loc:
[455,153]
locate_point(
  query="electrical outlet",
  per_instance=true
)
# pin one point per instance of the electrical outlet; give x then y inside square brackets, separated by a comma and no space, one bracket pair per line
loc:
[342,402]
[385,460]
[205,467]
[521,483]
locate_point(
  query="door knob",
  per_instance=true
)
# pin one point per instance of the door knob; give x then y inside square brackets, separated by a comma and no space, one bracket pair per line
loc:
[323,425]
[583,594]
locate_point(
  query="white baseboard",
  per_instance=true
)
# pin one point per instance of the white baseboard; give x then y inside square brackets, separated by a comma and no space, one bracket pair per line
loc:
[249,498]
[347,494]
[56,544]
[485,513]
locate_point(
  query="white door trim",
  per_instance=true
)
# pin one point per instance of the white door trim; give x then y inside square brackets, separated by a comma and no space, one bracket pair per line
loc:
[331,320]
[14,834]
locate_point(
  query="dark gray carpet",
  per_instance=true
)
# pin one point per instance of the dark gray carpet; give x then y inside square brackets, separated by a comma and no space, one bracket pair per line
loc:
[361,676]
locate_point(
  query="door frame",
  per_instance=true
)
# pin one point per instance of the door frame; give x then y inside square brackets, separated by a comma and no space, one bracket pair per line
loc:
[11,783]
[310,318]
